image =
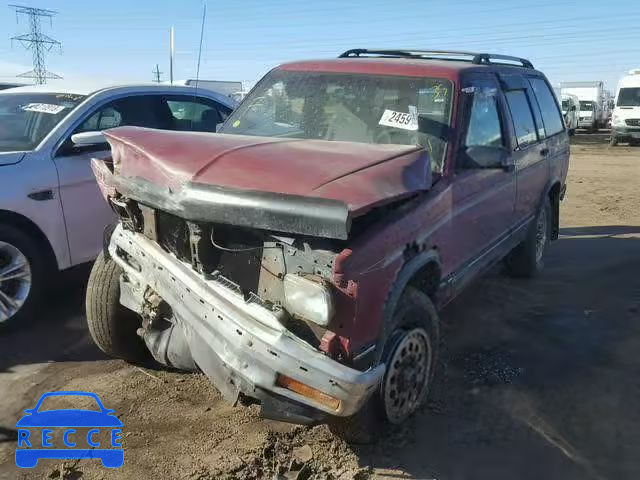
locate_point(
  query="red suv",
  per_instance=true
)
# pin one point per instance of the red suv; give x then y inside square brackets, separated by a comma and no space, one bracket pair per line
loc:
[298,257]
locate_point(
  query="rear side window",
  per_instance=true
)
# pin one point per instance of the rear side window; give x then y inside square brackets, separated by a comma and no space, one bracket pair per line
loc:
[522,117]
[550,114]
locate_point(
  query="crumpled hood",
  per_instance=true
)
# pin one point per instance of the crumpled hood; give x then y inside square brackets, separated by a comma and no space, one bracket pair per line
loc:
[360,175]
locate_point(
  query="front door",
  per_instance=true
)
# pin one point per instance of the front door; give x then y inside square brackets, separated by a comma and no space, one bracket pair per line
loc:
[483,189]
[86,213]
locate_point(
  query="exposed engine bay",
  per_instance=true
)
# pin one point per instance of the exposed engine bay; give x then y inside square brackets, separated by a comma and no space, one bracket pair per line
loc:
[284,274]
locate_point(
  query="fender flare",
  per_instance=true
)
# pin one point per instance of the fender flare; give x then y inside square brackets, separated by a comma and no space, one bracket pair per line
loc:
[555,209]
[408,271]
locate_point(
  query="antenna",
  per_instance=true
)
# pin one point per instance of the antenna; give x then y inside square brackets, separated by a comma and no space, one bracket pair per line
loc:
[37,42]
[195,91]
[204,15]
[156,74]
[171,55]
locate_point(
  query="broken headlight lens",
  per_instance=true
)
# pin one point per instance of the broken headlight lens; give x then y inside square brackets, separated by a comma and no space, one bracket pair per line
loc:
[308,298]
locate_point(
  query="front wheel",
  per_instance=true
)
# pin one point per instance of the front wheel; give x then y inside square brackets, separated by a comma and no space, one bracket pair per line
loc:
[112,326]
[410,355]
[23,276]
[526,259]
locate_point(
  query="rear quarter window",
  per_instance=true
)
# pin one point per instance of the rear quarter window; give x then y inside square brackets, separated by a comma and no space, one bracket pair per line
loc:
[551,116]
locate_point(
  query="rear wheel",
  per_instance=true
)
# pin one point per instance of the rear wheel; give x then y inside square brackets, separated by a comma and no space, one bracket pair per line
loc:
[527,258]
[23,275]
[112,326]
[410,354]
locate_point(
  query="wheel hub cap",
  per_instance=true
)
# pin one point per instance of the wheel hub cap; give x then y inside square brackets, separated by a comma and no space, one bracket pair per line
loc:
[407,375]
[15,280]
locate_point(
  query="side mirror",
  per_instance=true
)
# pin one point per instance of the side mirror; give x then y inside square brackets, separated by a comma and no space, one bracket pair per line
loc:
[88,139]
[433,127]
[573,108]
[488,157]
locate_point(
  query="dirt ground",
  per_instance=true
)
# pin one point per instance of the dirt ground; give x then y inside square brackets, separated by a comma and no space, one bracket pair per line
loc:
[539,379]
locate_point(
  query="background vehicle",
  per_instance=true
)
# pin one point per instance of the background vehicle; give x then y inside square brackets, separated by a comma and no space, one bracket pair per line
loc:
[224,87]
[51,213]
[625,121]
[592,107]
[570,111]
[6,85]
[312,285]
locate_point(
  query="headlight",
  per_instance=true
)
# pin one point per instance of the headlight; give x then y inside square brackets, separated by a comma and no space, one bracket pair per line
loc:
[615,120]
[308,298]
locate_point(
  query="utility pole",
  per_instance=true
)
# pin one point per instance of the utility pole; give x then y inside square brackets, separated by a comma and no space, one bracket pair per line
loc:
[37,42]
[156,74]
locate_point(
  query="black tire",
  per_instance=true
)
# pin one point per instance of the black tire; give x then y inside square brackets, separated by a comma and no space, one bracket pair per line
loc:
[112,326]
[39,269]
[524,260]
[414,313]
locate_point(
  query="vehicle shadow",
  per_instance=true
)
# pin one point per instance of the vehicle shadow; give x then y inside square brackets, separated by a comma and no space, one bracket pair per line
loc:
[59,332]
[538,378]
[610,230]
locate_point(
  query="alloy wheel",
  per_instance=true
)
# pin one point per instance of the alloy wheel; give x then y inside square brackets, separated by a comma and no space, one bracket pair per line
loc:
[15,280]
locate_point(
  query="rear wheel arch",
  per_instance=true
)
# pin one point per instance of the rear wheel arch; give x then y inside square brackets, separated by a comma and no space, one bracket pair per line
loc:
[29,228]
[553,194]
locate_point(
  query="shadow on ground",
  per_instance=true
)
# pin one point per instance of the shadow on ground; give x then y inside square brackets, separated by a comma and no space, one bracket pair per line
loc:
[58,333]
[539,378]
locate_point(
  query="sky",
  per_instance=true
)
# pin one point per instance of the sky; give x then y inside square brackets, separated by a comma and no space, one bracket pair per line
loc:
[123,40]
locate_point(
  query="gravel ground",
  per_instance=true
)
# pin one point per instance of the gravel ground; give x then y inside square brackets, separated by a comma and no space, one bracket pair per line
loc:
[538,379]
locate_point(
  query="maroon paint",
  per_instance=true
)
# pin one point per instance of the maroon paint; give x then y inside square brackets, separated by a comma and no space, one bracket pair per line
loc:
[458,217]
[362,175]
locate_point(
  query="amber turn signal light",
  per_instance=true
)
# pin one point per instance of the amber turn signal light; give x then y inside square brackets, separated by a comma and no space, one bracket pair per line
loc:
[307,391]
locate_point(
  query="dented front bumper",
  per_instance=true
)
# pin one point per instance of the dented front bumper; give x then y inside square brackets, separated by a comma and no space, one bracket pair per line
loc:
[239,344]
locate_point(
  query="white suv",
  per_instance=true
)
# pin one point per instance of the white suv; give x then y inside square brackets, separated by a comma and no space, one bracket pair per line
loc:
[52,215]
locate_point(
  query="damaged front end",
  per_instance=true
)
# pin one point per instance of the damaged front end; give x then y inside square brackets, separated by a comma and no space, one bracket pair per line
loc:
[241,284]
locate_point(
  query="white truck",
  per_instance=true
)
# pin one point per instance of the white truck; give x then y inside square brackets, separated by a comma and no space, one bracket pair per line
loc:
[625,121]
[570,111]
[592,109]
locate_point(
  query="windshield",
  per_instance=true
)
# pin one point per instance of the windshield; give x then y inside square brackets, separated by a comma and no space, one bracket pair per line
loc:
[629,97]
[26,118]
[345,107]
[586,106]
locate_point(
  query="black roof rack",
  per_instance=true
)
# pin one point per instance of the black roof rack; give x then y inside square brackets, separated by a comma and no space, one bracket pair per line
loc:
[475,58]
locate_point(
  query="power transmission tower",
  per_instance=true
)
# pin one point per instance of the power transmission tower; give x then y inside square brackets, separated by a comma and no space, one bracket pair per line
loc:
[37,42]
[156,74]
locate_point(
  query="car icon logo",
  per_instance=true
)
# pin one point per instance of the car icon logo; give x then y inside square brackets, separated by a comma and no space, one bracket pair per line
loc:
[62,424]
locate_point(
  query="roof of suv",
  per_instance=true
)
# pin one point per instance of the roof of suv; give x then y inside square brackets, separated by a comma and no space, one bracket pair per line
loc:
[409,66]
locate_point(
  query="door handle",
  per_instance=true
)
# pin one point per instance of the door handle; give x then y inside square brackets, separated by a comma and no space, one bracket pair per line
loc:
[544,152]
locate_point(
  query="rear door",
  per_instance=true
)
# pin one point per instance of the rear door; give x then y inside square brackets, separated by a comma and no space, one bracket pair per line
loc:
[556,141]
[528,145]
